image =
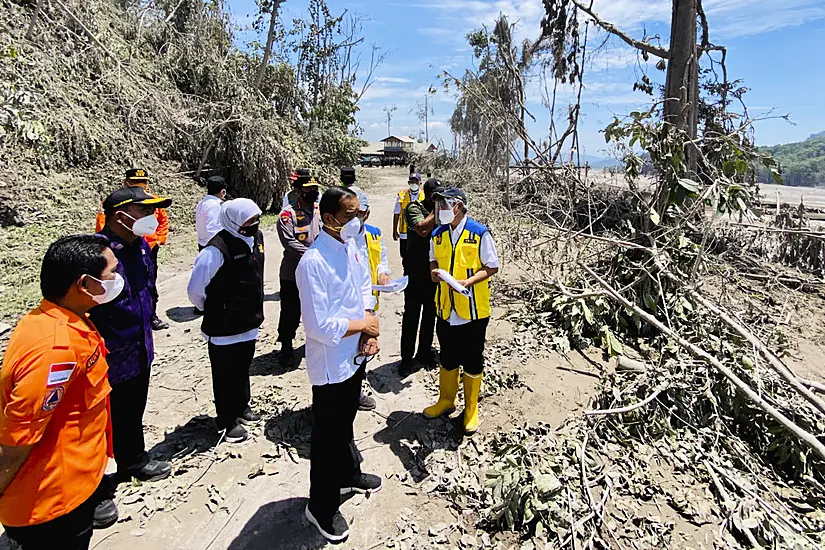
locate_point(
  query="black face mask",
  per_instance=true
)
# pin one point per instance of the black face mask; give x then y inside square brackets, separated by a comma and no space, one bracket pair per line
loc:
[310,197]
[249,230]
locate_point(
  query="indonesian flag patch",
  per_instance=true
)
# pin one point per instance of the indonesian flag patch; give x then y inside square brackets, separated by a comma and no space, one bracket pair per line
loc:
[59,373]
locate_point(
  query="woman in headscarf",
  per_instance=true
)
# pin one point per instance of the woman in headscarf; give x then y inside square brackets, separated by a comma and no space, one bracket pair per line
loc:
[227,284]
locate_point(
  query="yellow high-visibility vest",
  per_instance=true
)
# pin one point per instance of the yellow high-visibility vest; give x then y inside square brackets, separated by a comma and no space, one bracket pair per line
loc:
[462,262]
[405,199]
[374,245]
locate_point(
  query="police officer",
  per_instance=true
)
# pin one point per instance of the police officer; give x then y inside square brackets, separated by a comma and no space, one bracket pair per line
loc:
[298,226]
[126,325]
[138,177]
[399,225]
[464,248]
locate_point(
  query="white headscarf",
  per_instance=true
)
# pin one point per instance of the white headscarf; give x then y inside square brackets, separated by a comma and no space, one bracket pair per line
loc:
[237,212]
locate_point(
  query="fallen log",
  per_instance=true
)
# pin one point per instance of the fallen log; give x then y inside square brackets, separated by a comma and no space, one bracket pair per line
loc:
[807,438]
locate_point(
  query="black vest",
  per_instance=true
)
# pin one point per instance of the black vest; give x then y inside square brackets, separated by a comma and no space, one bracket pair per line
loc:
[235,295]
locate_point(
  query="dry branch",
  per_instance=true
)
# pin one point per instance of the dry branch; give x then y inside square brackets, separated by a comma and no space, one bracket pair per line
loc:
[633,407]
[808,439]
[774,361]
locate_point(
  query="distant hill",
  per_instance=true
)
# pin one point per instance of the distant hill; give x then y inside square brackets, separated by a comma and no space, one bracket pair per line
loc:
[802,164]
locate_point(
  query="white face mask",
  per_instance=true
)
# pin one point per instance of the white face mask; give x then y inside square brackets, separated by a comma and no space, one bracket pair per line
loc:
[112,289]
[446,216]
[414,188]
[146,225]
[351,229]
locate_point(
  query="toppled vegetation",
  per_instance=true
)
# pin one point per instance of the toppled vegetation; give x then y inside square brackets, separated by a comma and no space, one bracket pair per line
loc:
[706,434]
[89,88]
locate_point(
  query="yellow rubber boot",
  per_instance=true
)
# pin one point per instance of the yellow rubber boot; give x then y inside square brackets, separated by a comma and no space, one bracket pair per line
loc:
[472,386]
[447,392]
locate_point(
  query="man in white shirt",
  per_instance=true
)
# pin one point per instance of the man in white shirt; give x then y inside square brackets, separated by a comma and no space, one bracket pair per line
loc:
[227,284]
[208,211]
[464,249]
[342,333]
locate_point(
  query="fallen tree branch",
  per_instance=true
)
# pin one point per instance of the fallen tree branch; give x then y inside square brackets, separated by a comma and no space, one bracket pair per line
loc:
[776,364]
[808,439]
[631,408]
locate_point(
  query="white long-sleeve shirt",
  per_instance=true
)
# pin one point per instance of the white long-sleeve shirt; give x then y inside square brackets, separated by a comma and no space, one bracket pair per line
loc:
[207,264]
[487,254]
[208,218]
[335,287]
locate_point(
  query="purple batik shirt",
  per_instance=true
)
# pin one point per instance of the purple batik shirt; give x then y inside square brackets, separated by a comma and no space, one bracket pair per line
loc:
[126,322]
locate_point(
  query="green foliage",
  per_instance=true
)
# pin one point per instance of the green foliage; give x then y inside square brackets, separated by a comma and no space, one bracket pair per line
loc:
[801,164]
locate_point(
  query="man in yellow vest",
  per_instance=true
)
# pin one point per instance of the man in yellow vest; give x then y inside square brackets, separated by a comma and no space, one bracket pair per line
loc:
[370,246]
[399,224]
[464,248]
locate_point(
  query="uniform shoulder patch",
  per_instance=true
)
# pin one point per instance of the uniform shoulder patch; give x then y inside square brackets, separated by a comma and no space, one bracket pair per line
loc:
[286,215]
[60,373]
[53,398]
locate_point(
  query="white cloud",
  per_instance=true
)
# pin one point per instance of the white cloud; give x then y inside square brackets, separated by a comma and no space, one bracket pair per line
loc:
[392,80]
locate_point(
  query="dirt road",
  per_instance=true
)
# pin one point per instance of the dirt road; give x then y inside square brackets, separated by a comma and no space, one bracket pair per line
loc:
[253,495]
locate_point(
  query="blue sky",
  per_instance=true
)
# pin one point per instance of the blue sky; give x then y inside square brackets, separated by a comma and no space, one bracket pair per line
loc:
[777,48]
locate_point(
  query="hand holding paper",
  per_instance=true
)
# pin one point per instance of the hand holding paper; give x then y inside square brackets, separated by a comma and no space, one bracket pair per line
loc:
[453,282]
[392,287]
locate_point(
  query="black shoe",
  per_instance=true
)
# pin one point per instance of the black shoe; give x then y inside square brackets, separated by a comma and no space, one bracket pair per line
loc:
[154,470]
[367,483]
[426,360]
[406,367]
[105,514]
[366,403]
[286,354]
[249,417]
[236,434]
[158,324]
[334,530]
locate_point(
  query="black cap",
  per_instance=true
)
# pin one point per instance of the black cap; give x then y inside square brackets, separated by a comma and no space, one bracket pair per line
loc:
[133,195]
[432,185]
[347,171]
[451,193]
[137,175]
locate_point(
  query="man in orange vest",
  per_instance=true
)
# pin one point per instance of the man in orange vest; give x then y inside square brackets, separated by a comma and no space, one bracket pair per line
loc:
[138,177]
[54,404]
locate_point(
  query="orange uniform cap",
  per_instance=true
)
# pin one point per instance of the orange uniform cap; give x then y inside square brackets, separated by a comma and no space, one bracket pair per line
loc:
[53,396]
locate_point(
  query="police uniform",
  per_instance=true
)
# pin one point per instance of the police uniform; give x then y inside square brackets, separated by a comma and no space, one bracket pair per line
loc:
[54,397]
[298,226]
[462,321]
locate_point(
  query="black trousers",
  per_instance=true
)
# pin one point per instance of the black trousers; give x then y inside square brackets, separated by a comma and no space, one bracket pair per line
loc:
[230,380]
[71,531]
[462,345]
[290,311]
[154,257]
[128,400]
[419,305]
[334,458]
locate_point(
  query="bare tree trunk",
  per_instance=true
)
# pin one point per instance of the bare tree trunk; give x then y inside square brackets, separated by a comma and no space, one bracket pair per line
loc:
[682,85]
[270,39]
[33,20]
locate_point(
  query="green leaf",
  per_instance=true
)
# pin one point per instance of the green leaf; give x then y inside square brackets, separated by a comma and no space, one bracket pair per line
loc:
[588,315]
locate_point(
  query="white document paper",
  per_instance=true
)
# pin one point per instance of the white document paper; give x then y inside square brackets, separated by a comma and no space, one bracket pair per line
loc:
[393,287]
[453,282]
